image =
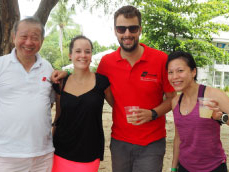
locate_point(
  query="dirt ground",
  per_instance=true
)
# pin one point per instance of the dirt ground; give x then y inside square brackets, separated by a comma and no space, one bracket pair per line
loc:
[105,165]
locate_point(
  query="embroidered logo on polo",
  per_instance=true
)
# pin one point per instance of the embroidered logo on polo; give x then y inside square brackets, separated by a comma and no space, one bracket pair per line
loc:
[45,79]
[145,76]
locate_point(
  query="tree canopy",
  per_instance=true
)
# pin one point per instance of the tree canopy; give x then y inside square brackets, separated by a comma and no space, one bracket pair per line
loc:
[187,25]
[168,25]
[9,14]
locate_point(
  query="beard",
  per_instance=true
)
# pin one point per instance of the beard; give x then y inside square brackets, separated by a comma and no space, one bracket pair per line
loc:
[127,48]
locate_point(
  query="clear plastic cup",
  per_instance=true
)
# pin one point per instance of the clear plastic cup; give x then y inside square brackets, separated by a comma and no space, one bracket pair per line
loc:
[204,110]
[129,113]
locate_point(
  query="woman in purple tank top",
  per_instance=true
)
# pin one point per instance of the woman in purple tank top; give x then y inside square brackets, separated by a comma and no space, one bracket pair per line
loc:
[197,146]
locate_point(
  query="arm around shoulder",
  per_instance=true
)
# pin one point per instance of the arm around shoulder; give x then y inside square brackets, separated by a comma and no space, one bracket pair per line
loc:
[57,75]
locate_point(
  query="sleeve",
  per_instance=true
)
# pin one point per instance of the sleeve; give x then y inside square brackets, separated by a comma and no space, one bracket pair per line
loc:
[104,82]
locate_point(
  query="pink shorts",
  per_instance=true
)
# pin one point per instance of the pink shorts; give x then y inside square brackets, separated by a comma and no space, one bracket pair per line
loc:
[63,165]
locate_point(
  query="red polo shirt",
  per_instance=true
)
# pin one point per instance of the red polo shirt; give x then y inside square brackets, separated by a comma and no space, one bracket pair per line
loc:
[142,85]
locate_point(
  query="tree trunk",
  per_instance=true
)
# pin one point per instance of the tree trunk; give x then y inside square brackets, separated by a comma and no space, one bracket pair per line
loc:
[44,10]
[9,13]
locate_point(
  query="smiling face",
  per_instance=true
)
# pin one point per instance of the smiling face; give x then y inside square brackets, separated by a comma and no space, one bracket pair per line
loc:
[180,74]
[81,54]
[128,41]
[28,40]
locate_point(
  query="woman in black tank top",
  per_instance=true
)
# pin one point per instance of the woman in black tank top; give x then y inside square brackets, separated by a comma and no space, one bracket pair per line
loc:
[78,135]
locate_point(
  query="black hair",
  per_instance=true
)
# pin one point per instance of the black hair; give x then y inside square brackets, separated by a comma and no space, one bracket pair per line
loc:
[77,38]
[187,57]
[128,12]
[32,20]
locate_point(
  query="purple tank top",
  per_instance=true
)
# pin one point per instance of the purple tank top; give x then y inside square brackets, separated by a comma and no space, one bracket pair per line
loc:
[200,148]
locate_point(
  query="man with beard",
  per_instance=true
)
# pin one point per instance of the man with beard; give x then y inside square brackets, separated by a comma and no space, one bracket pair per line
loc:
[138,77]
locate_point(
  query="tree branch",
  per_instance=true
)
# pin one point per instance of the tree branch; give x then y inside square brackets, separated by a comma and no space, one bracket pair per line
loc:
[44,10]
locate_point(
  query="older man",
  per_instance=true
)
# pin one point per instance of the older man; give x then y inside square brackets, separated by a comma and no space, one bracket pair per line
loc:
[25,103]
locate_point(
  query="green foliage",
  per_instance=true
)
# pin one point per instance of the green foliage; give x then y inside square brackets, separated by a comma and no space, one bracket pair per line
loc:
[60,62]
[61,18]
[61,28]
[113,46]
[226,88]
[50,49]
[107,6]
[171,25]
[98,48]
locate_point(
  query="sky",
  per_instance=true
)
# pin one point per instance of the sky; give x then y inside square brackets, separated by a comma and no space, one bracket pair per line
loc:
[95,26]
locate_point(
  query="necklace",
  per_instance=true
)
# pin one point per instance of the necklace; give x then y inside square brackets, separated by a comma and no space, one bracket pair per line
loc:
[186,111]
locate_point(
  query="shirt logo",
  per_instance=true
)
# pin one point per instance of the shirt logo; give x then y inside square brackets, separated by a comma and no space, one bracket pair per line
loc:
[44,78]
[145,76]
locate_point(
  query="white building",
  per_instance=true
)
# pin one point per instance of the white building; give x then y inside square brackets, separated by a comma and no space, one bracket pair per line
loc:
[218,74]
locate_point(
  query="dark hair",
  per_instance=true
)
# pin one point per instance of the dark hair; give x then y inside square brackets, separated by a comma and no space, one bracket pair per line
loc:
[32,20]
[187,57]
[128,12]
[77,38]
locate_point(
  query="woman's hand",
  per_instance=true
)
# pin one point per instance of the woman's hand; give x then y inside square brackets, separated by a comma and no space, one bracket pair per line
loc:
[214,105]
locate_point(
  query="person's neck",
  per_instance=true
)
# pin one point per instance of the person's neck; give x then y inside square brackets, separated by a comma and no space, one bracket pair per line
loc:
[81,75]
[191,91]
[27,62]
[133,56]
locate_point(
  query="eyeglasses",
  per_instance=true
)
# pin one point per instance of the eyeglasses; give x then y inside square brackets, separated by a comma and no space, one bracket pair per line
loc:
[132,29]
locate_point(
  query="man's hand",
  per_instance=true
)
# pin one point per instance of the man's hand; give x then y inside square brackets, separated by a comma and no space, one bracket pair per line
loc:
[57,75]
[141,116]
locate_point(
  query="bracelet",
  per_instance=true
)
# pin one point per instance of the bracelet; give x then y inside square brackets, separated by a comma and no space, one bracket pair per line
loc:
[173,169]
[69,73]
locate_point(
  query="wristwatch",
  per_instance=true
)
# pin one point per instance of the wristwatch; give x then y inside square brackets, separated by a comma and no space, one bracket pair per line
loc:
[224,118]
[154,114]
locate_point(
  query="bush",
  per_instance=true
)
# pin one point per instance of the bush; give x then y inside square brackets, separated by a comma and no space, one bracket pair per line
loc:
[226,89]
